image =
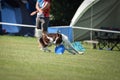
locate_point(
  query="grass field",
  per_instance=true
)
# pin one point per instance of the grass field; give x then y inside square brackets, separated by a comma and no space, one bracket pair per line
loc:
[21,59]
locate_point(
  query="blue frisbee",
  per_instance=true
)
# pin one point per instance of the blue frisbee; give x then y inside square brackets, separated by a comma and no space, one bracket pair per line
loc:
[59,49]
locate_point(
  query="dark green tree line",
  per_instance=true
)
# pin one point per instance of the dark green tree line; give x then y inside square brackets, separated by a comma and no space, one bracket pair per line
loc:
[62,11]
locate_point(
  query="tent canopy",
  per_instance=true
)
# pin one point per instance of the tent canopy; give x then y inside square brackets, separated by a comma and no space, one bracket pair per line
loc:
[95,14]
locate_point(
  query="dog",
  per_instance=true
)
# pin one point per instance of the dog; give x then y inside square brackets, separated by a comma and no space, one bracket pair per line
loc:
[57,39]
[49,39]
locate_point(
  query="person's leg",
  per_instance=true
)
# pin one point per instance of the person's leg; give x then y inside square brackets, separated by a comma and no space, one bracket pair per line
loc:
[38,31]
[44,26]
[41,28]
[38,35]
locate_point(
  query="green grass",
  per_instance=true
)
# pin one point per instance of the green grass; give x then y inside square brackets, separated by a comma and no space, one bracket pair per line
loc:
[21,59]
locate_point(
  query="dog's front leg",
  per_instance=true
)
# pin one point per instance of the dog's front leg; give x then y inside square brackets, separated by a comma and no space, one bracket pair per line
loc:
[46,49]
[55,40]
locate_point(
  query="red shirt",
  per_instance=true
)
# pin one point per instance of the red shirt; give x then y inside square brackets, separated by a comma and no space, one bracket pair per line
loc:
[46,12]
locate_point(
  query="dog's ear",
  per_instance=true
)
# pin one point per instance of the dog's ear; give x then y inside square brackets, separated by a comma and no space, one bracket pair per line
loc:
[59,39]
[45,39]
[42,42]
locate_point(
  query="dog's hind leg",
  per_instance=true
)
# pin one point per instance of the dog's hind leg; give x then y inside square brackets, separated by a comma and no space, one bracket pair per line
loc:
[70,49]
[68,45]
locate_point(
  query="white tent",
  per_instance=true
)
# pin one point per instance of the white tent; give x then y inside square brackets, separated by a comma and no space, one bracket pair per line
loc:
[95,14]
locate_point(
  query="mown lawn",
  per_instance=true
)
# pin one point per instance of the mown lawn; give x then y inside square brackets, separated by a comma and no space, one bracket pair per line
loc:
[21,59]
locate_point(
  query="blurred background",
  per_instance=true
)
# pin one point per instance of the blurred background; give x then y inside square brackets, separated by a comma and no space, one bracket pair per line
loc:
[84,19]
[18,11]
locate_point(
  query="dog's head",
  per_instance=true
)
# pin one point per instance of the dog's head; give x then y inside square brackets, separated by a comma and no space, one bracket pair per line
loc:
[48,39]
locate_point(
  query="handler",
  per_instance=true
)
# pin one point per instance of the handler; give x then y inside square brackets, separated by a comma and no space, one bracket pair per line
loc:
[42,19]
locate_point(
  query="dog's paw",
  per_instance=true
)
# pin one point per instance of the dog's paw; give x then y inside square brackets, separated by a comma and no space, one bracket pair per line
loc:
[46,50]
[49,50]
[80,52]
[41,49]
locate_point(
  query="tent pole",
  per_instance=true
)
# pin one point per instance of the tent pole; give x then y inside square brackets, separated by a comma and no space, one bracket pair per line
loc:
[91,25]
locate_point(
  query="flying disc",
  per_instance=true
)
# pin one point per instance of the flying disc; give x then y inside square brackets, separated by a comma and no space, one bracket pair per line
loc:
[59,49]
